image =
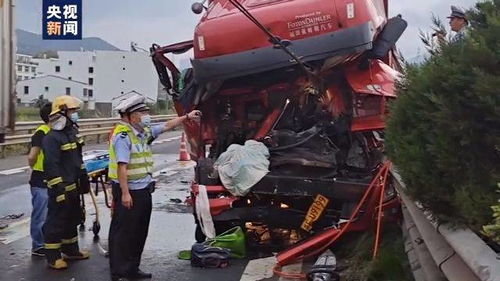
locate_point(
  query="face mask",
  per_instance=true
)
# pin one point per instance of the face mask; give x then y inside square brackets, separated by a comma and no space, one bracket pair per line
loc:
[58,123]
[74,117]
[145,120]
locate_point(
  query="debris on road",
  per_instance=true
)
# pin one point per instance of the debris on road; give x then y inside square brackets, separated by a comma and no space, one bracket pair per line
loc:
[12,216]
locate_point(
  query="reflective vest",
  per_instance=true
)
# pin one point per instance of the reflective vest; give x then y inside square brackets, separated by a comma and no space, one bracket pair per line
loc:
[39,161]
[141,157]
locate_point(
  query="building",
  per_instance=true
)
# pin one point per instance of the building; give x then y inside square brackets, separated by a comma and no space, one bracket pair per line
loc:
[51,86]
[107,73]
[26,67]
[96,77]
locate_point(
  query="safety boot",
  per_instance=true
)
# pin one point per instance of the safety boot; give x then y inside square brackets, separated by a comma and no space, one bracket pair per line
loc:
[58,264]
[72,252]
[53,256]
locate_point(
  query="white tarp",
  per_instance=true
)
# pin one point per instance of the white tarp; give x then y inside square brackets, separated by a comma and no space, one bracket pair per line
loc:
[203,212]
[241,166]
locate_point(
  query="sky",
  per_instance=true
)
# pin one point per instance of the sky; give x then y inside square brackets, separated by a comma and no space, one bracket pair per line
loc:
[168,21]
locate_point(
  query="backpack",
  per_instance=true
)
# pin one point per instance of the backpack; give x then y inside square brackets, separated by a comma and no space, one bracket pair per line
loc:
[208,256]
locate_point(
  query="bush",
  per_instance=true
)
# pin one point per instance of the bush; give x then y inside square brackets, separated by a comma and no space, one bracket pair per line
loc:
[444,129]
[493,230]
[161,107]
[27,114]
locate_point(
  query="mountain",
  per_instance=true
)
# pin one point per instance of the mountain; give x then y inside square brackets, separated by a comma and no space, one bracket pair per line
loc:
[31,44]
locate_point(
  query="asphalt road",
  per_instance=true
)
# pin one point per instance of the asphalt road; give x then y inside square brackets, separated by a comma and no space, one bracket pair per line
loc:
[171,230]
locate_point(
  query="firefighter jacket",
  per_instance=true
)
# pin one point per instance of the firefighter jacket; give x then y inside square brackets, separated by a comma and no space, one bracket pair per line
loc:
[63,163]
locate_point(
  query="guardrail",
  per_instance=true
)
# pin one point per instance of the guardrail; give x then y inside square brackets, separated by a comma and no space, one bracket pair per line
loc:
[440,252]
[88,127]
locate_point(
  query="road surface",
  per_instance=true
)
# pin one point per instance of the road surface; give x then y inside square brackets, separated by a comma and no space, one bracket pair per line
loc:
[171,229]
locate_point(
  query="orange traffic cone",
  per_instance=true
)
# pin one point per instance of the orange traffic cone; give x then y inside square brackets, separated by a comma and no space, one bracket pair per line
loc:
[183,154]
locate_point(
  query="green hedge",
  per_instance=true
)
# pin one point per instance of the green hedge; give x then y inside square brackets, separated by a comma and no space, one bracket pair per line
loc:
[444,130]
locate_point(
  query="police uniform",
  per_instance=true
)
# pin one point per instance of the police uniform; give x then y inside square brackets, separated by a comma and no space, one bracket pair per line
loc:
[458,13]
[129,227]
[66,178]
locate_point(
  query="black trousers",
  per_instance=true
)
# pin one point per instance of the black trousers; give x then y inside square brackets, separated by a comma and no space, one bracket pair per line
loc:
[60,229]
[128,231]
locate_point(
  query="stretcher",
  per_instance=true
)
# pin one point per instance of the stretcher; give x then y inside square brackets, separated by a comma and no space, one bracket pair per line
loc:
[96,162]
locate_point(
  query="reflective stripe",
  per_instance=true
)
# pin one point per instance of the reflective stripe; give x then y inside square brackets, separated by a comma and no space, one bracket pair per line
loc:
[70,241]
[141,154]
[139,165]
[60,198]
[136,177]
[40,158]
[136,171]
[70,187]
[54,181]
[52,246]
[69,146]
[140,160]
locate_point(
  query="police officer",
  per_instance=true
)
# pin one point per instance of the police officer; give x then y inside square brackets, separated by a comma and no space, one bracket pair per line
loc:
[130,169]
[39,197]
[458,23]
[66,176]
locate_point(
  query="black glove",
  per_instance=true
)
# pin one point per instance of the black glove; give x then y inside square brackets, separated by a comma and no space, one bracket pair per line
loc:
[151,139]
[84,184]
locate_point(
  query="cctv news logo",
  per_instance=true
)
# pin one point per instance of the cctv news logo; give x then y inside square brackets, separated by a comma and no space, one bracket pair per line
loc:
[62,19]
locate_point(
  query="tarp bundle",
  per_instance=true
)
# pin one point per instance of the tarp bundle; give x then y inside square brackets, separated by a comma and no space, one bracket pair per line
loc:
[242,166]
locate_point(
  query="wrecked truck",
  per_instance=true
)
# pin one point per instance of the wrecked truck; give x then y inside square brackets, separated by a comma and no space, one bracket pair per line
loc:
[310,79]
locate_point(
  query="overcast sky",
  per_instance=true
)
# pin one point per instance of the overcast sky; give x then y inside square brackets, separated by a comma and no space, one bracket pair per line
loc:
[170,21]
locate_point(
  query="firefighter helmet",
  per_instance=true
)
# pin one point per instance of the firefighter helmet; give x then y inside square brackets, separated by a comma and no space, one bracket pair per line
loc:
[64,103]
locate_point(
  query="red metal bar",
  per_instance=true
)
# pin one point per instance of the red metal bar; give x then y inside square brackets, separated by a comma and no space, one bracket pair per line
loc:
[380,210]
[289,255]
[320,242]
[267,124]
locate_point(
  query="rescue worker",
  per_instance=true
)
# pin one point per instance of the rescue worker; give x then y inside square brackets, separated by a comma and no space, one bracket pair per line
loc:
[130,169]
[39,196]
[66,177]
[458,24]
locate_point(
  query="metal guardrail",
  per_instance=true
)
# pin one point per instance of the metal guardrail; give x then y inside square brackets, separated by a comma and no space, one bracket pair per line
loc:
[440,252]
[88,127]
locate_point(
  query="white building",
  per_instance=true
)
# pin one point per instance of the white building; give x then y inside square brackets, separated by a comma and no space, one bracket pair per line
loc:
[107,73]
[26,67]
[49,87]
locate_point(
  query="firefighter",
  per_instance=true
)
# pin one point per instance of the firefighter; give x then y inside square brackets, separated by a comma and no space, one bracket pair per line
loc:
[458,23]
[66,177]
[130,169]
[39,197]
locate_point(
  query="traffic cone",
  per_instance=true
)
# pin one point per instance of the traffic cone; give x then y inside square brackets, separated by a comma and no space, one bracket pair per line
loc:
[183,154]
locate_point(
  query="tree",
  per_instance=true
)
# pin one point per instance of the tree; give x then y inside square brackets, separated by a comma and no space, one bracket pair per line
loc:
[46,55]
[444,130]
[40,101]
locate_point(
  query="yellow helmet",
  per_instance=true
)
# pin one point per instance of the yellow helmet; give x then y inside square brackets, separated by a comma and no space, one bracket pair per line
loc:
[64,103]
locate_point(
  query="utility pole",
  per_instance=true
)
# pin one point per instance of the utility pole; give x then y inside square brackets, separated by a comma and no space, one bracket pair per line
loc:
[7,70]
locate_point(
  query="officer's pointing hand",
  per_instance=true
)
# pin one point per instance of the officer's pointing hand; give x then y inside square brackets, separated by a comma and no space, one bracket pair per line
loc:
[127,200]
[195,115]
